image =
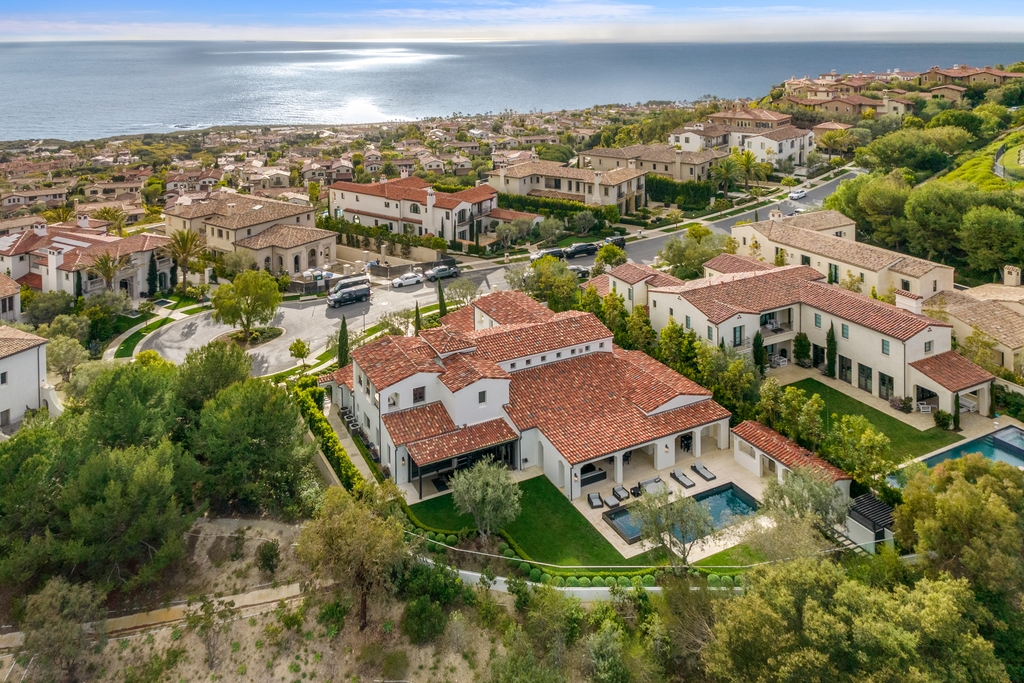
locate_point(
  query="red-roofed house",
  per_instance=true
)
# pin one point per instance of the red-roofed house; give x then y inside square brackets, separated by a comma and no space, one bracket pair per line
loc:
[631,281]
[766,453]
[513,381]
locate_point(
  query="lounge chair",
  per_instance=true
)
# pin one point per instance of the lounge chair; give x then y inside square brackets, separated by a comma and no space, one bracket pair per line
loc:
[703,472]
[656,487]
[683,480]
[620,492]
[924,407]
[595,500]
[611,502]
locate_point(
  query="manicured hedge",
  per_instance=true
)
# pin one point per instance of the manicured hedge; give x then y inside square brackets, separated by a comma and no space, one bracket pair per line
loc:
[557,207]
[329,444]
[694,195]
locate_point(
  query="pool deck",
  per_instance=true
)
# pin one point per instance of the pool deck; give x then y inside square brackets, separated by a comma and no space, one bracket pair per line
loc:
[719,462]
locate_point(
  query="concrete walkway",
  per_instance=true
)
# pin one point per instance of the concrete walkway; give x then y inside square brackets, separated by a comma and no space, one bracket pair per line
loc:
[348,444]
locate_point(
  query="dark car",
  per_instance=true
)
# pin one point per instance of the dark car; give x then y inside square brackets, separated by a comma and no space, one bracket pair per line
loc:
[441,272]
[580,249]
[582,272]
[555,252]
[348,281]
[617,240]
[348,295]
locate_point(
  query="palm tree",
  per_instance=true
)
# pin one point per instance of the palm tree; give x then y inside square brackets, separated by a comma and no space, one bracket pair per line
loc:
[107,267]
[115,216]
[60,214]
[836,141]
[185,246]
[726,173]
[749,167]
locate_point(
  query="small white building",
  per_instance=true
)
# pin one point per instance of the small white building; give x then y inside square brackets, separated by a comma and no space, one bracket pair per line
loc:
[22,375]
[767,454]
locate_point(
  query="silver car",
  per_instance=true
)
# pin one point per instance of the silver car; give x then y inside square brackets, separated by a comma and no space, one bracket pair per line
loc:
[407,279]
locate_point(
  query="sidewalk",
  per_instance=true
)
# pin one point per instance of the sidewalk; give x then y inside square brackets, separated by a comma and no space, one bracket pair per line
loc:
[348,444]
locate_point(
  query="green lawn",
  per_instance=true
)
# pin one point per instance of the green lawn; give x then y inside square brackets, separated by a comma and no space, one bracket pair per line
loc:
[573,239]
[127,347]
[737,556]
[907,442]
[549,529]
[123,323]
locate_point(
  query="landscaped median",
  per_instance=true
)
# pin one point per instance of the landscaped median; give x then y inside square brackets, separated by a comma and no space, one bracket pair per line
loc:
[127,348]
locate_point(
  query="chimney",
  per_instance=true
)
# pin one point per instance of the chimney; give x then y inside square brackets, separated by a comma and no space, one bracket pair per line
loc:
[83,220]
[430,199]
[39,229]
[631,163]
[405,172]
[775,215]
[231,209]
[597,182]
[383,179]
[501,176]
[908,302]
[1011,276]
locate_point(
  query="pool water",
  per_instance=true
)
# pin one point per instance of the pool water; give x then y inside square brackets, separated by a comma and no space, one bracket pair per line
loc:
[1006,445]
[725,503]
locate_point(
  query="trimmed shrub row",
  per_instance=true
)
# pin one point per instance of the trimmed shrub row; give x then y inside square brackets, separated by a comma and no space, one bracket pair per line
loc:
[689,195]
[557,207]
[329,444]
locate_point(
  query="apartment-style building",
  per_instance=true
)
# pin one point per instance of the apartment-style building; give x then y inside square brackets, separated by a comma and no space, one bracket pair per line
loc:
[622,187]
[480,386]
[831,249]
[883,349]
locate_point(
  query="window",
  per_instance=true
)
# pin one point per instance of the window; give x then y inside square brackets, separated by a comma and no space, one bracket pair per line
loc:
[220,233]
[601,345]
[419,394]
[606,192]
[817,319]
[654,304]
[414,208]
[846,331]
[833,273]
[630,293]
[3,378]
[885,386]
[687,322]
[885,347]
[846,369]
[513,366]
[927,347]
[935,285]
[558,354]
[905,285]
[481,397]
[864,374]
[805,260]
[587,347]
[543,359]
[711,333]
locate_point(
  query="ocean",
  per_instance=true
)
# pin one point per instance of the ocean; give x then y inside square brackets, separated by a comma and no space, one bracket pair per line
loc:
[86,90]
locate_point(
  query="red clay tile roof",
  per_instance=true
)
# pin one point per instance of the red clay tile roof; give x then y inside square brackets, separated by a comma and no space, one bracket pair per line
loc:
[447,339]
[734,263]
[341,377]
[79,259]
[460,441]
[569,328]
[601,283]
[952,371]
[415,424]
[391,359]
[595,412]
[33,280]
[508,215]
[633,273]
[461,320]
[14,341]
[787,452]
[509,306]
[8,287]
[410,189]
[463,369]
[474,195]
[654,383]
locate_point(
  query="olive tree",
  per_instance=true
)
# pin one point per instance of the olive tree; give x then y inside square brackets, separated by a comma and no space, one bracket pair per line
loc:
[487,492]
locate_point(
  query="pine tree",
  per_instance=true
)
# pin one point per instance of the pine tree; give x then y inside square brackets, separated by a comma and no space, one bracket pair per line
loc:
[151,276]
[343,355]
[830,351]
[417,322]
[755,216]
[442,308]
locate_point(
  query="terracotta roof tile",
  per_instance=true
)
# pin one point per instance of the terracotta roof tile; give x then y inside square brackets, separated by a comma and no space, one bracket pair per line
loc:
[461,320]
[509,306]
[789,453]
[14,341]
[391,359]
[569,328]
[341,377]
[952,371]
[447,339]
[32,280]
[633,273]
[461,441]
[9,287]
[601,283]
[285,236]
[734,263]
[463,369]
[415,424]
[247,211]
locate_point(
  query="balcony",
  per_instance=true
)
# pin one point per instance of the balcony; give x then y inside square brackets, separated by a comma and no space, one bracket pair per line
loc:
[773,330]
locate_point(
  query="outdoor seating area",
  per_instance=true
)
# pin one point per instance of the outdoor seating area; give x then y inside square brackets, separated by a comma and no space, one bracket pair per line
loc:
[777,360]
[703,472]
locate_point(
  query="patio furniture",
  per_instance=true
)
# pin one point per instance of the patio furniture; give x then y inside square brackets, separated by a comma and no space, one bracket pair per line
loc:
[611,502]
[636,491]
[683,480]
[967,405]
[703,472]
[590,474]
[782,361]
[656,487]
[626,457]
[620,492]
[595,501]
[924,407]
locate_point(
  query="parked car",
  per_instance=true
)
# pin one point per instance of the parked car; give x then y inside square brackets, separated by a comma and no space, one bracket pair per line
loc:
[617,240]
[582,272]
[441,272]
[407,279]
[348,295]
[556,252]
[350,281]
[798,194]
[580,249]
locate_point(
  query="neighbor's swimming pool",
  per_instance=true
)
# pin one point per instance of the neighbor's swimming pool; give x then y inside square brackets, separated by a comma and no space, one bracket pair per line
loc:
[1006,445]
[725,503]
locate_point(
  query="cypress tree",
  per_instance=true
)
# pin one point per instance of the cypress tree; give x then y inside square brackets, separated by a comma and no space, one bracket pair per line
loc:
[755,216]
[830,351]
[418,321]
[151,276]
[343,356]
[442,308]
[174,275]
[956,412]
[759,354]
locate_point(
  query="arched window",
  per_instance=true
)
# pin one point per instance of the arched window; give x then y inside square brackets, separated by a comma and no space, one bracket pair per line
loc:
[312,258]
[297,266]
[266,264]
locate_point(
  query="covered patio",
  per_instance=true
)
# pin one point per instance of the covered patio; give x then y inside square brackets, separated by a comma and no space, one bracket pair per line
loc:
[436,459]
[938,380]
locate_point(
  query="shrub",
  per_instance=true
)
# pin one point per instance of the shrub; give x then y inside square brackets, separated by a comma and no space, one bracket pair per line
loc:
[610,581]
[524,567]
[396,664]
[738,580]
[437,581]
[327,439]
[452,539]
[904,404]
[584,582]
[559,581]
[268,556]
[572,582]
[688,195]
[431,535]
[508,553]
[714,580]
[423,621]
[535,575]
[648,580]
[502,547]
[943,420]
[332,617]
[597,582]
[545,578]
[726,581]
[625,582]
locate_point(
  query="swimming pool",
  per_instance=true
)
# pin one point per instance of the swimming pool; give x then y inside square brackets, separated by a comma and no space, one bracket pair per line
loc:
[725,503]
[1006,445]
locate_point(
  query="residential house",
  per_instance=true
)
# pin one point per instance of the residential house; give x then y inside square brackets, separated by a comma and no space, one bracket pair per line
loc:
[1003,324]
[22,375]
[953,93]
[768,454]
[962,74]
[480,387]
[765,119]
[631,281]
[51,196]
[621,187]
[113,190]
[10,299]
[661,159]
[885,350]
[839,256]
[827,126]
[460,165]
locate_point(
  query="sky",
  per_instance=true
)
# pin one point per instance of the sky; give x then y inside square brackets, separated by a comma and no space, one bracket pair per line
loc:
[565,20]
